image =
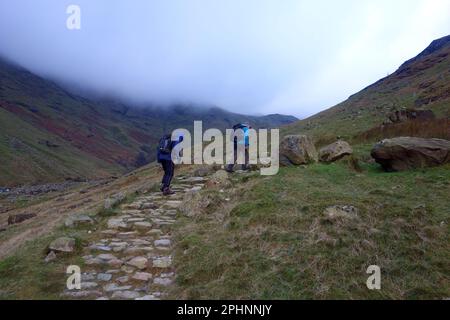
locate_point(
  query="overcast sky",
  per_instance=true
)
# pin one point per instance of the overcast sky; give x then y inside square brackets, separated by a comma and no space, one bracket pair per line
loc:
[249,56]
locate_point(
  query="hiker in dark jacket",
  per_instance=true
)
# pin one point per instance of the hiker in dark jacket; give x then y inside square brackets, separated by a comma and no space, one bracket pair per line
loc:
[165,159]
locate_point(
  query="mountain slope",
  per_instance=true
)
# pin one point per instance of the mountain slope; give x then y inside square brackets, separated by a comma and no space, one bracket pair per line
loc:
[420,83]
[48,134]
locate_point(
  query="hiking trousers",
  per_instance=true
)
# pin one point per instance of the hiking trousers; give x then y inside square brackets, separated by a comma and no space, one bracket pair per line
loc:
[169,169]
[245,166]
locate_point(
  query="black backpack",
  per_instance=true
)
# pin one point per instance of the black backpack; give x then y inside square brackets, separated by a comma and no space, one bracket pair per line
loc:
[165,144]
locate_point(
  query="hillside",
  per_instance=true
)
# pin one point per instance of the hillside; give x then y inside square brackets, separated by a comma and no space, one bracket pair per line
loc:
[48,134]
[309,232]
[422,83]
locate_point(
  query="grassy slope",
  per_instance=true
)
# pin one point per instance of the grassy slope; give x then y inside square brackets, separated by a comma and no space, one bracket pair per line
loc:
[421,84]
[276,243]
[27,161]
[273,240]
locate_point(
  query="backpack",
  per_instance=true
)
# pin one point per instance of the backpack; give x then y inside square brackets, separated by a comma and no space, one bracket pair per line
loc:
[165,144]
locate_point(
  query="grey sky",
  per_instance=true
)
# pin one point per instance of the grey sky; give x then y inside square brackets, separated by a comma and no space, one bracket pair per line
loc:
[249,56]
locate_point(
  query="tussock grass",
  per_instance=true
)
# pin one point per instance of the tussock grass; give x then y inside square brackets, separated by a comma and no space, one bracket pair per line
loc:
[438,128]
[275,242]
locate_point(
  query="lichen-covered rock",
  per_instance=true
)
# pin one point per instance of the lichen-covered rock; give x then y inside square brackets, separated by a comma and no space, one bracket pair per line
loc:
[405,153]
[297,150]
[335,151]
[63,244]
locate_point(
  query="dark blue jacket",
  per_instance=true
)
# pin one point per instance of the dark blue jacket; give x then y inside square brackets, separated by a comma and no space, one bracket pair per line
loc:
[168,157]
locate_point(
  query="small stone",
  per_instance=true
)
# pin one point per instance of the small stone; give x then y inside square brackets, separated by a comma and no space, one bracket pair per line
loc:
[143,226]
[138,262]
[109,232]
[88,285]
[111,287]
[104,277]
[93,261]
[162,243]
[127,269]
[162,281]
[106,256]
[125,235]
[119,249]
[162,262]
[118,244]
[102,298]
[154,232]
[100,248]
[123,279]
[116,224]
[63,244]
[142,276]
[82,294]
[147,297]
[115,263]
[174,203]
[87,277]
[113,271]
[125,295]
[50,257]
[138,250]
[77,221]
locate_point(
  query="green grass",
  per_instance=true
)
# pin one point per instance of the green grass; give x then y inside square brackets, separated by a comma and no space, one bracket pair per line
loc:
[25,275]
[276,242]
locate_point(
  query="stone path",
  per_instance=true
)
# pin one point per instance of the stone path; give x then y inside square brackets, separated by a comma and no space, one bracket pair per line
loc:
[133,257]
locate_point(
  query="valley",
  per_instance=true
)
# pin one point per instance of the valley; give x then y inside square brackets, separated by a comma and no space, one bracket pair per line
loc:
[310,232]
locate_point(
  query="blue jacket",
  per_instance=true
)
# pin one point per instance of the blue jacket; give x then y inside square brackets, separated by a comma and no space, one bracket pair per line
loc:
[165,156]
[246,139]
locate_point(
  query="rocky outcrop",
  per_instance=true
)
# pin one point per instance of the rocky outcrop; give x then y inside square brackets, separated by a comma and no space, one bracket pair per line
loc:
[297,150]
[405,153]
[400,116]
[335,151]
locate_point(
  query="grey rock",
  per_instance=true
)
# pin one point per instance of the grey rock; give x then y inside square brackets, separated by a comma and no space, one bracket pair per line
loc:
[50,257]
[63,244]
[138,262]
[335,151]
[298,150]
[104,277]
[126,295]
[162,281]
[111,287]
[405,153]
[81,220]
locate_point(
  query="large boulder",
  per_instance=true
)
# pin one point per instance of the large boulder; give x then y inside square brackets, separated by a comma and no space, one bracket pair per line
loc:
[297,150]
[405,153]
[335,151]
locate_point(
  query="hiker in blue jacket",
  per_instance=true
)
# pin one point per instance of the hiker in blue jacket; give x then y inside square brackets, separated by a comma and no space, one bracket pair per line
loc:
[166,146]
[245,140]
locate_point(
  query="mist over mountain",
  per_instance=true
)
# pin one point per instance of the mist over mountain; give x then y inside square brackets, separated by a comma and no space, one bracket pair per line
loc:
[252,57]
[50,134]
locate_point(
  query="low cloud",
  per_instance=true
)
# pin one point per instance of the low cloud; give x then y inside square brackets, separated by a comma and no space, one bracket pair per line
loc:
[293,57]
